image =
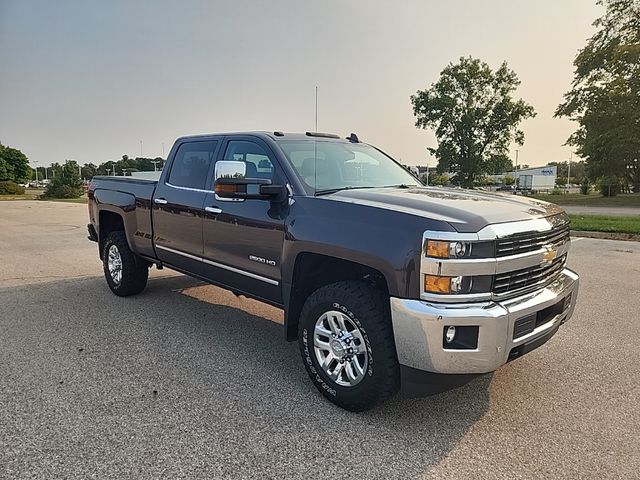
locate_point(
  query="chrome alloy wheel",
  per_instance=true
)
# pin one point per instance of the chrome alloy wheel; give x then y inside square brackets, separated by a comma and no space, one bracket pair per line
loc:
[114,264]
[340,348]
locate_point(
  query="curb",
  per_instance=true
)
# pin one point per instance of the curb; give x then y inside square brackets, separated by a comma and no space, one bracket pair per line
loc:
[632,237]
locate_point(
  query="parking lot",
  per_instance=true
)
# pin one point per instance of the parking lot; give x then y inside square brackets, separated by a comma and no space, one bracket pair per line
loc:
[188,381]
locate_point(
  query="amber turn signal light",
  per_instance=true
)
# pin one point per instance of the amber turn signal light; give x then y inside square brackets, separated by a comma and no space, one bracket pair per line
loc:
[437,284]
[437,248]
[221,188]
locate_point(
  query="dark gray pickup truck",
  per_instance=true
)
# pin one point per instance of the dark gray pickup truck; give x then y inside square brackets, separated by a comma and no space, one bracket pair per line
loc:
[386,284]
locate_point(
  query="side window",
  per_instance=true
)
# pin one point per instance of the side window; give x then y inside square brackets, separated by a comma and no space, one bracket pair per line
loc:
[254,156]
[191,164]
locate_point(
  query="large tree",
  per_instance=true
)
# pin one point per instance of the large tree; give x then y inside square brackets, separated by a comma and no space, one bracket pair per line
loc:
[605,95]
[14,165]
[475,118]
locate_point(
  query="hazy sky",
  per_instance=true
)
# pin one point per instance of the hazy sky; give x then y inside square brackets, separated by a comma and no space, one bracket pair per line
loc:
[88,80]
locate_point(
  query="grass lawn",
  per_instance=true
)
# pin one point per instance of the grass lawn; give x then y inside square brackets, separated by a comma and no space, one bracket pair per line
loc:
[605,223]
[29,194]
[82,199]
[34,194]
[593,199]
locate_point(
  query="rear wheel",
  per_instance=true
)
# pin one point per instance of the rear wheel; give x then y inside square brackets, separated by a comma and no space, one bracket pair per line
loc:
[126,273]
[346,342]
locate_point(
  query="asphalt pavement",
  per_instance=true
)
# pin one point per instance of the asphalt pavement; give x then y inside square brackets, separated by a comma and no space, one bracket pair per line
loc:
[592,210]
[187,381]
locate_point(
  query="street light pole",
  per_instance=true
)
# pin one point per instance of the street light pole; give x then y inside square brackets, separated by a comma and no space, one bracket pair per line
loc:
[36,164]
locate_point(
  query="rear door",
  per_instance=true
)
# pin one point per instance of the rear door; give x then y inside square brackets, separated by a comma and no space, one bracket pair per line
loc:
[243,240]
[179,201]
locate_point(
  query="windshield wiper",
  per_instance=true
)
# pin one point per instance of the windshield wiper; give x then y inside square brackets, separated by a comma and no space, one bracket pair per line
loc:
[402,185]
[334,190]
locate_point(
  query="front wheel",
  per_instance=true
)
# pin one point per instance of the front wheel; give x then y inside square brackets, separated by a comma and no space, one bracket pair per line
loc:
[126,274]
[346,342]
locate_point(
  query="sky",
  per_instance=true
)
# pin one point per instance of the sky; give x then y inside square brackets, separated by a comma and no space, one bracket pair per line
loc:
[89,80]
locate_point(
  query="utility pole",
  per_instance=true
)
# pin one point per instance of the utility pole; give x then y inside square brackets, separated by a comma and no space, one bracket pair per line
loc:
[316,123]
[569,167]
[36,164]
[140,147]
[108,171]
[46,174]
[155,165]
[162,149]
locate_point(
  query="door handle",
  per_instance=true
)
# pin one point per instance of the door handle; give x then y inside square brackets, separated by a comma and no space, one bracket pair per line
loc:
[160,201]
[212,209]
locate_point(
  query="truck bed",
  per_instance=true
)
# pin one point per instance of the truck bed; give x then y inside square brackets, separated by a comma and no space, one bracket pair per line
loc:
[141,188]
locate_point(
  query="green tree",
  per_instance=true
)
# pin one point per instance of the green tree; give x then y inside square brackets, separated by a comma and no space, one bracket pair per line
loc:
[605,95]
[474,115]
[89,170]
[14,165]
[66,183]
[499,164]
[508,180]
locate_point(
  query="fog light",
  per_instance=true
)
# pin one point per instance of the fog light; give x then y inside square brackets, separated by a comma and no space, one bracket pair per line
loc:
[456,284]
[450,334]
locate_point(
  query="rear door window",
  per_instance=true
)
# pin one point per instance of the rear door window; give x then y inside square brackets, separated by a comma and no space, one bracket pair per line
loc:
[191,164]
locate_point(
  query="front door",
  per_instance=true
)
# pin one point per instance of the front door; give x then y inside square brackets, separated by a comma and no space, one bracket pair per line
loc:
[243,239]
[178,205]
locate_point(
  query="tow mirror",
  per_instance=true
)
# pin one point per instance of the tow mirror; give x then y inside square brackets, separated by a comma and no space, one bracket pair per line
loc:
[231,183]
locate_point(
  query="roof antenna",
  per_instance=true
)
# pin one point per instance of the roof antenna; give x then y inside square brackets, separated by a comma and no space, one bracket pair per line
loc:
[316,127]
[315,148]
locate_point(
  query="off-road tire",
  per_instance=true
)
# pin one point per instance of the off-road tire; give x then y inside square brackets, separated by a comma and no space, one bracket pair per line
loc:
[369,310]
[135,270]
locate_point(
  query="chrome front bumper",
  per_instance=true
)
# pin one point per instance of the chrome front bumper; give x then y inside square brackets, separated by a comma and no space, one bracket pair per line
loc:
[418,328]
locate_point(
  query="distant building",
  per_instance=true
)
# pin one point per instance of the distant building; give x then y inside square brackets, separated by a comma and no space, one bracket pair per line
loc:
[538,178]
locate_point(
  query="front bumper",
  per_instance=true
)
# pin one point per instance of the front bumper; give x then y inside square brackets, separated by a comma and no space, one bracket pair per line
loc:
[419,325]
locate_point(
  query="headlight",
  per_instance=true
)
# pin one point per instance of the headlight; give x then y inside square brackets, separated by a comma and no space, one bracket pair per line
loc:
[441,249]
[458,249]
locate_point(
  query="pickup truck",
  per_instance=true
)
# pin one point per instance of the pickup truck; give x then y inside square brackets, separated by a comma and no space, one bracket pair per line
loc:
[387,285]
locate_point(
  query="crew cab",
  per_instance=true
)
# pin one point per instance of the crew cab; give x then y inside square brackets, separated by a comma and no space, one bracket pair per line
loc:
[386,284]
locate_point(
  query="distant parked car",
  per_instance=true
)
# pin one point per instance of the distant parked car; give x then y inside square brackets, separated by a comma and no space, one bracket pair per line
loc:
[506,188]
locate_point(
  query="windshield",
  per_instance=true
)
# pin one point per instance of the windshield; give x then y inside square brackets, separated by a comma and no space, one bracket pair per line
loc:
[328,166]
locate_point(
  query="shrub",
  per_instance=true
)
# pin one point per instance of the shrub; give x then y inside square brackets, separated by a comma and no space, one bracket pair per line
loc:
[66,184]
[584,188]
[556,191]
[609,186]
[11,188]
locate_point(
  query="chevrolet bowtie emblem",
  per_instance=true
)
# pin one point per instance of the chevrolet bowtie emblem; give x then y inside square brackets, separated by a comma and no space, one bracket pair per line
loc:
[549,255]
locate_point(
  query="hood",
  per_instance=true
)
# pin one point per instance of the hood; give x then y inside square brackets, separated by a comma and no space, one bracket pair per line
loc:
[465,210]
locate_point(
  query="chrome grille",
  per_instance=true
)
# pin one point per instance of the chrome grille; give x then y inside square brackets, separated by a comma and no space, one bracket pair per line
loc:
[528,278]
[530,241]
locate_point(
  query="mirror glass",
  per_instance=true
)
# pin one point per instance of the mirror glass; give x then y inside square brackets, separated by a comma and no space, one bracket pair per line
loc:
[230,169]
